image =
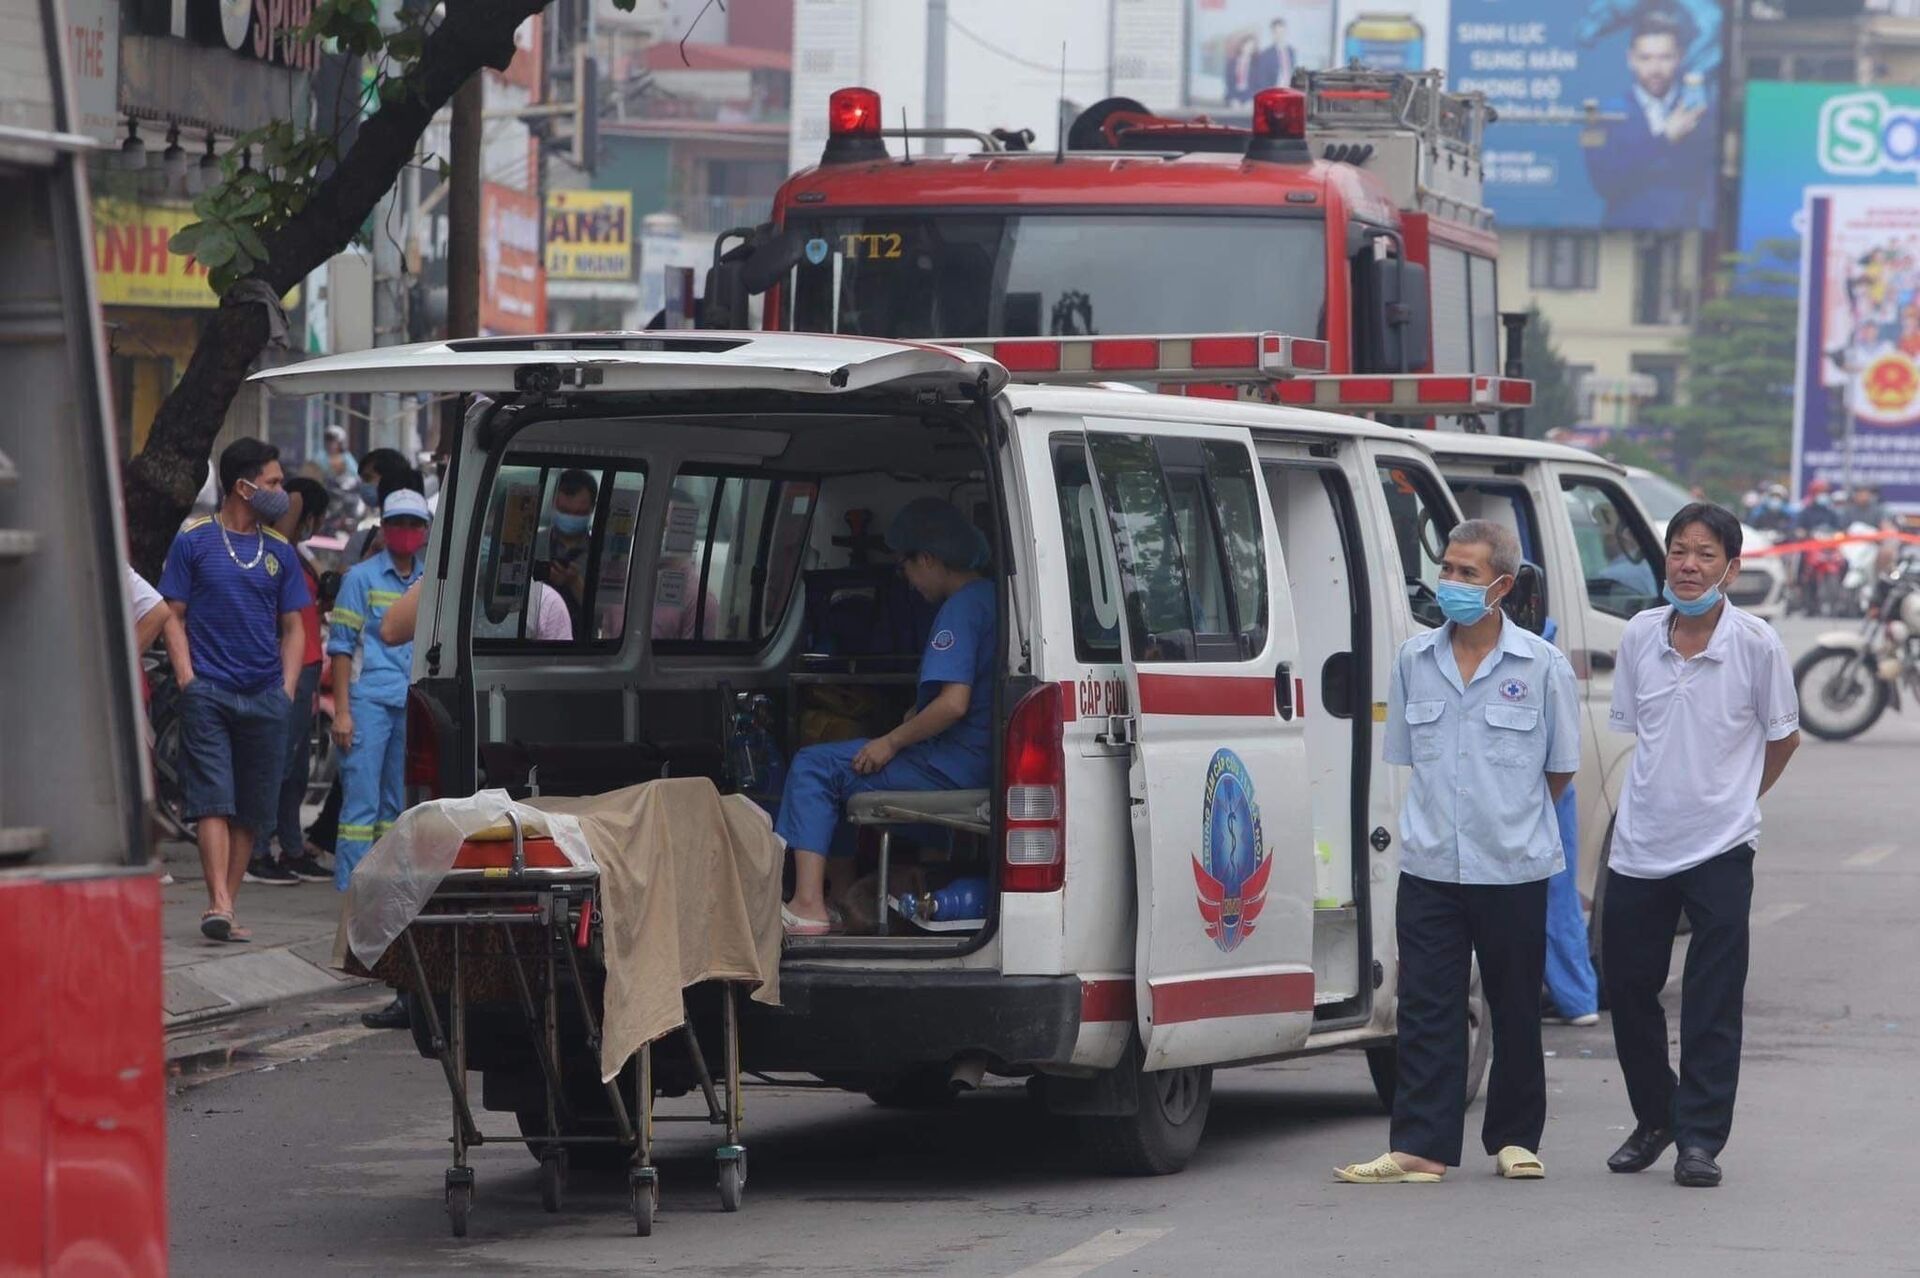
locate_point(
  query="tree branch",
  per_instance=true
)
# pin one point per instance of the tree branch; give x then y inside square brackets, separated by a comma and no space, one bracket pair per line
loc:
[161,482]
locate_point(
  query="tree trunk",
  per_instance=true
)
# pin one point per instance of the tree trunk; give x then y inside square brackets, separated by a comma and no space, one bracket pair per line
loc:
[161,482]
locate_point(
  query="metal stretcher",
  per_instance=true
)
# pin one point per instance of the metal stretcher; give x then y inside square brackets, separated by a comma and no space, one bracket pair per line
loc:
[527,884]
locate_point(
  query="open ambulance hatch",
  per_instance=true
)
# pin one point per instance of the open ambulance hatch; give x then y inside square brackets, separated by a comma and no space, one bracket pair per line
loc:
[653,362]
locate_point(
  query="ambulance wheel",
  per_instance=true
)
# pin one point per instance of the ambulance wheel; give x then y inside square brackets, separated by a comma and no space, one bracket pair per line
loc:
[1159,1137]
[1383,1062]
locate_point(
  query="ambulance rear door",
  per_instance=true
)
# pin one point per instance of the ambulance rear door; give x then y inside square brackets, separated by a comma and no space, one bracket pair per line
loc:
[1223,850]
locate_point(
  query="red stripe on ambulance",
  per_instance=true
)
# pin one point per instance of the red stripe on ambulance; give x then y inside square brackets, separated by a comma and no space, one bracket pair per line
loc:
[1209,998]
[1240,695]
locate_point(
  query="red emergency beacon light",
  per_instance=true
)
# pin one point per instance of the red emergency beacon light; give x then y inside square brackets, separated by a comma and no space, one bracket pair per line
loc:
[853,127]
[1279,127]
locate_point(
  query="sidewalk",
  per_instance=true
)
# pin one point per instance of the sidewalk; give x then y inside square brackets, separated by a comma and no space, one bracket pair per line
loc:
[208,981]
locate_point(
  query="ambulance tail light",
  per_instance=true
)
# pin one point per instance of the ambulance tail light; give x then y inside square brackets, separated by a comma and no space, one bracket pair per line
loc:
[853,127]
[423,751]
[1035,773]
[1279,127]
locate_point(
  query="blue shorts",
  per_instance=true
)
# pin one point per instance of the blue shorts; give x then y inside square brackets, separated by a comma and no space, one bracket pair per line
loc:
[232,752]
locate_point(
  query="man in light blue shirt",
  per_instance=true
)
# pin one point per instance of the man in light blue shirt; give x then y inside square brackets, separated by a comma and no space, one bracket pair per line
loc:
[1487,716]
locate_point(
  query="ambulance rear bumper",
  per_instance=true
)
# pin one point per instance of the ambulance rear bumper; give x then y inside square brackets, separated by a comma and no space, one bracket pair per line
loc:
[836,1021]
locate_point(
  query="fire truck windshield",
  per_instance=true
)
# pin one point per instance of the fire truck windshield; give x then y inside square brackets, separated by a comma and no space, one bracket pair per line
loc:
[1057,274]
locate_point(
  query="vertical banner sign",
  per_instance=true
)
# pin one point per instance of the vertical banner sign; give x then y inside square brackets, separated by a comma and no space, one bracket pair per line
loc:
[826,56]
[1649,161]
[1235,48]
[513,287]
[1857,407]
[1797,136]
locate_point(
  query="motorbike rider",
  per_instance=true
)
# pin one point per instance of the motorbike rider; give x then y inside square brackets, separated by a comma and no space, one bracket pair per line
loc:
[1817,513]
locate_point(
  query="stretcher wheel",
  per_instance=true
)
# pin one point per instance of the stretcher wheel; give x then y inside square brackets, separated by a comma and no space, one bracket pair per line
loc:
[643,1192]
[733,1181]
[459,1203]
[553,1179]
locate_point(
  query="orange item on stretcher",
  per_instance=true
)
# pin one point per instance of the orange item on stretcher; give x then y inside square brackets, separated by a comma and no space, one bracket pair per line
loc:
[497,854]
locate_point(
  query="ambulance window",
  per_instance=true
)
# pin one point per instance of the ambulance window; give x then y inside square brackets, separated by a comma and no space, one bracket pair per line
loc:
[556,535]
[1230,475]
[730,550]
[1617,555]
[1421,521]
[1153,575]
[1093,579]
[1505,504]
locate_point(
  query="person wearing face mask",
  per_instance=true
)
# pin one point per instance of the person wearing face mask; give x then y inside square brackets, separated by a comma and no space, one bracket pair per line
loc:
[569,533]
[1707,691]
[370,678]
[237,586]
[1487,716]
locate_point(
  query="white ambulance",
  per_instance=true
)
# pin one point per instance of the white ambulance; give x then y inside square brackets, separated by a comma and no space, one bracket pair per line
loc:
[1191,845]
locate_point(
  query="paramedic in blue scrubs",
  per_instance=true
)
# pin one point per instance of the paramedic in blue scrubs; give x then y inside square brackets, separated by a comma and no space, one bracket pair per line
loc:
[944,743]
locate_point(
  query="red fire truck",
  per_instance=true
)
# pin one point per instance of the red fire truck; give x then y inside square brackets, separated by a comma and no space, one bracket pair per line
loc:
[1349,210]
[82,1092]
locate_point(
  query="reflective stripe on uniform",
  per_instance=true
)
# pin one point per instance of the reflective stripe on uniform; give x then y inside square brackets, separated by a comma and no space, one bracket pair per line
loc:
[346,617]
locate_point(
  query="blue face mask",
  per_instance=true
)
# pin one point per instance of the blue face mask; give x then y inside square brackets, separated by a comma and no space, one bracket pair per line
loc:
[571,525]
[370,494]
[1463,604]
[1695,607]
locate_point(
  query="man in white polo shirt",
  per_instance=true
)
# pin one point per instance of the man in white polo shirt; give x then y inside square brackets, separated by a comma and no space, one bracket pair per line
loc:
[1708,692]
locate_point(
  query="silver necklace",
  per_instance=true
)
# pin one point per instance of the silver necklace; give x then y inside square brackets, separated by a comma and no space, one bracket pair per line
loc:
[258,551]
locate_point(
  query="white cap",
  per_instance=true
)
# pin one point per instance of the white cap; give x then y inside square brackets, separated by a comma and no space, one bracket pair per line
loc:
[404,502]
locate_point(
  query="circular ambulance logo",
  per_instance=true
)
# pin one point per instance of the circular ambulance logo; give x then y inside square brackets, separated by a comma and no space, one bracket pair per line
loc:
[1514,690]
[943,641]
[1230,874]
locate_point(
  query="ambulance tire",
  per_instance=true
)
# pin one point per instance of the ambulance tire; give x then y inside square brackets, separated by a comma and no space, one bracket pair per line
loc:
[1383,1062]
[1160,1136]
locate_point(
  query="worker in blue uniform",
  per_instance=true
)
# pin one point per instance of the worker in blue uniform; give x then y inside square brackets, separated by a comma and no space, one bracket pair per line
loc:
[944,743]
[369,678]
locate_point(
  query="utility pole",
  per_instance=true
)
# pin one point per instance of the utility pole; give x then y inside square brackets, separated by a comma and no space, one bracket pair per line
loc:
[463,232]
[933,109]
[463,209]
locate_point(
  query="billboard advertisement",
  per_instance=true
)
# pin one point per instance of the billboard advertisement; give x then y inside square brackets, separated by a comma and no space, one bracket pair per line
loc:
[1393,35]
[1857,403]
[1235,48]
[513,286]
[590,235]
[1650,159]
[1797,136]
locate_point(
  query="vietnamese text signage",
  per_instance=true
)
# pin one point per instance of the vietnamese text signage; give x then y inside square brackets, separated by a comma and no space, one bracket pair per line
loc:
[590,235]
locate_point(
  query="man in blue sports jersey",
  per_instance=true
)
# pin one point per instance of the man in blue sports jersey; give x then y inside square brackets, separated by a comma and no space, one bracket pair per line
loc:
[237,586]
[946,740]
[370,680]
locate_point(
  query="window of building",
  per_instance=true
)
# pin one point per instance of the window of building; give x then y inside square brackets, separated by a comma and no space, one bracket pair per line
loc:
[1660,292]
[1563,261]
[1664,370]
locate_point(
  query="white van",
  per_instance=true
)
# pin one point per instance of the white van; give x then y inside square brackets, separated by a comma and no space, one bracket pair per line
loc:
[1192,844]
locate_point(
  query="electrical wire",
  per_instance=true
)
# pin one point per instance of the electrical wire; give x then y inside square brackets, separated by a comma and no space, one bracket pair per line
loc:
[1015,58]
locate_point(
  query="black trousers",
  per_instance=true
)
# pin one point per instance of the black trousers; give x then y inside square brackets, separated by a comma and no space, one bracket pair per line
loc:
[1636,948]
[1442,927]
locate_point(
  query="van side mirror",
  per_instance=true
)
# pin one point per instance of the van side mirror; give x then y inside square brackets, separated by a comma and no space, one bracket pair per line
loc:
[1526,603]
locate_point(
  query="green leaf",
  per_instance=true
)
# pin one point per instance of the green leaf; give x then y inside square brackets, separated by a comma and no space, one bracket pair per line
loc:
[405,45]
[186,238]
[217,248]
[250,243]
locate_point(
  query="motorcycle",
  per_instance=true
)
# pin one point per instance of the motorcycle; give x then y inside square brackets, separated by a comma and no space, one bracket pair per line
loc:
[1850,677]
[163,745]
[1823,574]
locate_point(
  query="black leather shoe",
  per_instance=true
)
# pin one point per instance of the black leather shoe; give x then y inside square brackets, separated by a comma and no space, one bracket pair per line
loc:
[1696,1169]
[392,1016]
[1640,1150]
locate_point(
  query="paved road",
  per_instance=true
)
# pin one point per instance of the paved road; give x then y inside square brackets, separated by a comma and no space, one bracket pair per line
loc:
[331,1161]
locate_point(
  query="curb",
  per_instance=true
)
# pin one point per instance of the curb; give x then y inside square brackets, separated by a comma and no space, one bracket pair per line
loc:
[198,995]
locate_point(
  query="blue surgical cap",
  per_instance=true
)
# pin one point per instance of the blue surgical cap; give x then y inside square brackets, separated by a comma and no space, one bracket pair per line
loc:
[933,525]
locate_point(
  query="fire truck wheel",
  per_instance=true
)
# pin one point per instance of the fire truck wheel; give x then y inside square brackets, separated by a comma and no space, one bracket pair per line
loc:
[1383,1062]
[1159,1137]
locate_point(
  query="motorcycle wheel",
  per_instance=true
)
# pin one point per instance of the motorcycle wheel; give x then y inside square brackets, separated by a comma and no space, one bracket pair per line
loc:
[1841,696]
